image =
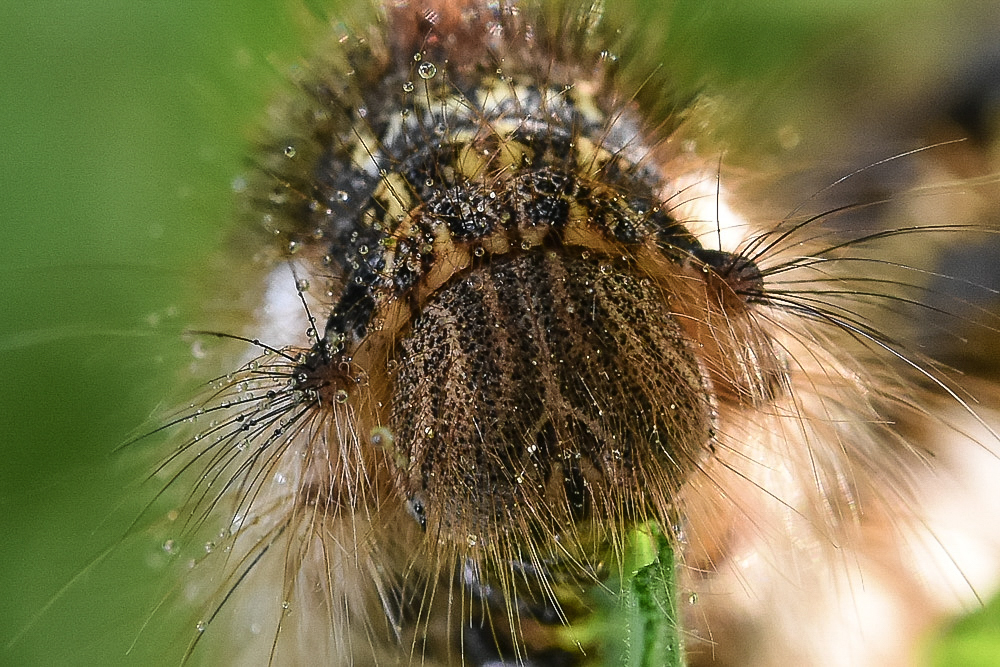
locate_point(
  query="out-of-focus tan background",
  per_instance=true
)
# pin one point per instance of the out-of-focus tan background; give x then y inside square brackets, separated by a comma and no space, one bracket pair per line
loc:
[125,125]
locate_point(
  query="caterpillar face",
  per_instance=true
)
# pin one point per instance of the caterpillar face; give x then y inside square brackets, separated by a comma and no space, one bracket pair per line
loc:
[505,333]
[524,314]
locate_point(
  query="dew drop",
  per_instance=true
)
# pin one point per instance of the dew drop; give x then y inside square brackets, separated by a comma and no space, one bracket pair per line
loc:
[302,285]
[427,70]
[170,547]
[340,396]
[289,151]
[408,87]
[200,626]
[479,251]
[342,196]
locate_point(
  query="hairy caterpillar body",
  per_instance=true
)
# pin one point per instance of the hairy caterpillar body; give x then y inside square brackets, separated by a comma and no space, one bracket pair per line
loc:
[506,323]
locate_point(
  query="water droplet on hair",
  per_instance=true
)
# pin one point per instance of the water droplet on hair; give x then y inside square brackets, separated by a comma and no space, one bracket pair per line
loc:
[427,70]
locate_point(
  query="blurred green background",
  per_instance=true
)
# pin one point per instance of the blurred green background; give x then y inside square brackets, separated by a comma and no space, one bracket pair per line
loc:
[124,124]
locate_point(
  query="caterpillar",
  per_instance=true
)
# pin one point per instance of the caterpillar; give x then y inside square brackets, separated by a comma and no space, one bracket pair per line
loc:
[507,324]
